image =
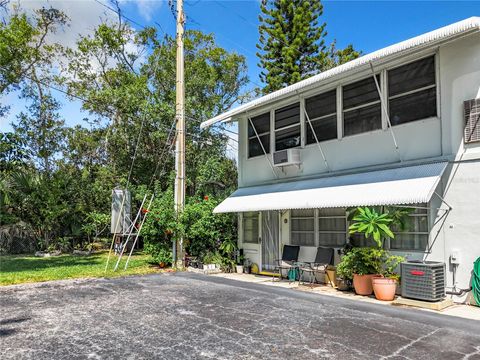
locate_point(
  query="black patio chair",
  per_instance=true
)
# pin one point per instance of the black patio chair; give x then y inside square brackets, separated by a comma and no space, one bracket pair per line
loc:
[287,262]
[323,259]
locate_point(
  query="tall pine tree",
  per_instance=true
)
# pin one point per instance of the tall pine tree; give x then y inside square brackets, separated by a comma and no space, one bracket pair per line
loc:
[292,43]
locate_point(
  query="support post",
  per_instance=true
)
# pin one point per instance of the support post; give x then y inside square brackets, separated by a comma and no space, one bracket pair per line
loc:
[316,139]
[261,145]
[180,135]
[384,108]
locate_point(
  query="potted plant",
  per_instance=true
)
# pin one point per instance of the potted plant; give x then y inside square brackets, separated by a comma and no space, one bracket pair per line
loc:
[360,265]
[247,264]
[209,261]
[331,276]
[239,265]
[376,225]
[228,250]
[343,273]
[385,286]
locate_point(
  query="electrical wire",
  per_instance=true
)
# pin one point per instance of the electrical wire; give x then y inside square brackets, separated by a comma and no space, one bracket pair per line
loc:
[127,18]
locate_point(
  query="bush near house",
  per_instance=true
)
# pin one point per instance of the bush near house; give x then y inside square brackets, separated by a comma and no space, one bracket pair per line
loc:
[203,232]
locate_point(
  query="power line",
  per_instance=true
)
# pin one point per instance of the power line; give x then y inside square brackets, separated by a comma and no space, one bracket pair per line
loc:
[229,9]
[163,152]
[239,15]
[202,27]
[118,12]
[193,21]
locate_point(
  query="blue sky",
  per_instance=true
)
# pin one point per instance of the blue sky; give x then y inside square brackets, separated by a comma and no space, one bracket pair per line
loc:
[368,25]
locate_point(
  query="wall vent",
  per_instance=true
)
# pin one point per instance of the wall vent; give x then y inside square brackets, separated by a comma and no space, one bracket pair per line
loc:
[472,120]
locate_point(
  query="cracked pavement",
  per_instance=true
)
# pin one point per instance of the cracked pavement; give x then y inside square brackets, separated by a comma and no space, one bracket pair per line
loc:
[193,316]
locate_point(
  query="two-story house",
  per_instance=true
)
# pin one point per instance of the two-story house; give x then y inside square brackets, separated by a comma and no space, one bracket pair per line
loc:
[397,127]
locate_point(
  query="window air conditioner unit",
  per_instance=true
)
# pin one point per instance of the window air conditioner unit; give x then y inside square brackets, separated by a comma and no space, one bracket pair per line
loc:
[286,157]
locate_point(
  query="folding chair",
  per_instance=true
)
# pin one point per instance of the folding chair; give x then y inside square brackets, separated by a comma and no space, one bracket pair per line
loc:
[287,262]
[323,258]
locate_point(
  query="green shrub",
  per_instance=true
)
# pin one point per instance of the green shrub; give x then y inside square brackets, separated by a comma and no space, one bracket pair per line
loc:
[159,253]
[368,260]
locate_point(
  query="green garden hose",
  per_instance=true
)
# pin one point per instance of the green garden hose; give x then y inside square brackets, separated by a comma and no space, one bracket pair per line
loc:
[476,281]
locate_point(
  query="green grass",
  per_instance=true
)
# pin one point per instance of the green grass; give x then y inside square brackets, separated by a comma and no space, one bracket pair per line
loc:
[17,269]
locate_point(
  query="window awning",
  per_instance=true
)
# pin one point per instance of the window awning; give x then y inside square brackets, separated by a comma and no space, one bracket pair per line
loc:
[399,186]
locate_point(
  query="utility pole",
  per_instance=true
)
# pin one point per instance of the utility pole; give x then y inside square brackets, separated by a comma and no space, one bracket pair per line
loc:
[178,251]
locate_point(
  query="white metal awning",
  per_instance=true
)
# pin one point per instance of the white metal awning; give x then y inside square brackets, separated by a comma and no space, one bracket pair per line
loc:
[399,186]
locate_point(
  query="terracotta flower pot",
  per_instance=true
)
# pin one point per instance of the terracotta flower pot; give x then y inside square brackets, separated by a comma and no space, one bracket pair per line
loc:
[384,288]
[363,283]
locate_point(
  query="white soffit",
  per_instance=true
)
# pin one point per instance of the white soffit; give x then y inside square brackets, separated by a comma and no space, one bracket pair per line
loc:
[399,186]
[429,39]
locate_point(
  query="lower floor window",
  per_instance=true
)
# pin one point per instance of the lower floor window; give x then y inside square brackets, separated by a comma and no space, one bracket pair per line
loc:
[302,227]
[329,228]
[332,227]
[250,227]
[323,227]
[416,232]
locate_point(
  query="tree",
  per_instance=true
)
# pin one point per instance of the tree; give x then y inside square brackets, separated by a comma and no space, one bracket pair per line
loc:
[24,47]
[58,179]
[129,93]
[41,129]
[292,43]
[12,152]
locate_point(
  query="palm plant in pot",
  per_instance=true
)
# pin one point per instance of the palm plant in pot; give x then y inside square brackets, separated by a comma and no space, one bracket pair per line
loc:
[373,262]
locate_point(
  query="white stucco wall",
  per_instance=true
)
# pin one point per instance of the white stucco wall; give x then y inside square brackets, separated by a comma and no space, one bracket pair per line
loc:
[458,79]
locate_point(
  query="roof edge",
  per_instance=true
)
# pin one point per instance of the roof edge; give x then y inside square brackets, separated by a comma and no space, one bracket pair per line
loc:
[469,25]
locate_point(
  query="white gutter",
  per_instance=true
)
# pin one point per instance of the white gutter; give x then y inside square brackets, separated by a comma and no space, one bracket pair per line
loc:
[431,38]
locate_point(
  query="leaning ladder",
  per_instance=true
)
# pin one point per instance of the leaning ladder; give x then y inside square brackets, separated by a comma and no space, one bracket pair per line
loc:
[131,229]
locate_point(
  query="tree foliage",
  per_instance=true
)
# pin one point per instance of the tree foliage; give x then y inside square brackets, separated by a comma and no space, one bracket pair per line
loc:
[58,179]
[292,43]
[24,47]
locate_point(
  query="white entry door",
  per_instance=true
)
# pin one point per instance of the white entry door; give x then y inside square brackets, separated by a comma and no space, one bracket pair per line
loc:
[270,237]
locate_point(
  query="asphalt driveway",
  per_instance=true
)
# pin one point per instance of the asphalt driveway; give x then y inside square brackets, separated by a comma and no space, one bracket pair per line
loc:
[191,316]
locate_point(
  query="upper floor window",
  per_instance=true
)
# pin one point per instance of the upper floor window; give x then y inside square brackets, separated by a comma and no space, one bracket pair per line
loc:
[322,112]
[262,128]
[287,127]
[362,110]
[412,91]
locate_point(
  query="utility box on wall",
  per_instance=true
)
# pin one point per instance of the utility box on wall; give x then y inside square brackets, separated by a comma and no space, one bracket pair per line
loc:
[121,211]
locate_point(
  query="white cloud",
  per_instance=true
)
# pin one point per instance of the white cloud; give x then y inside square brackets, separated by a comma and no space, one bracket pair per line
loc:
[146,8]
[84,15]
